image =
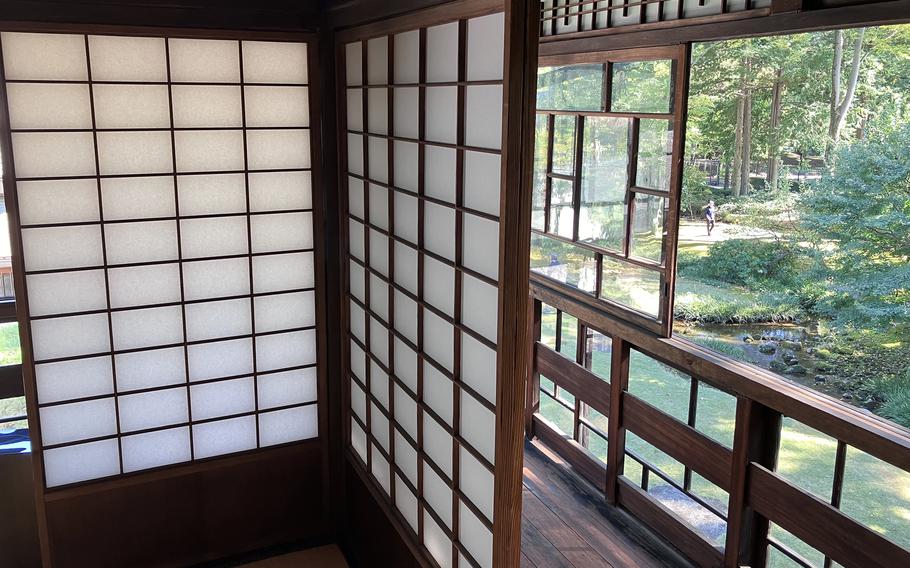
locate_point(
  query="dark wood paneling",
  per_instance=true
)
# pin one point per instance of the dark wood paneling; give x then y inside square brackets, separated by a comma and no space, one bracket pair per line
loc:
[18,521]
[579,381]
[583,462]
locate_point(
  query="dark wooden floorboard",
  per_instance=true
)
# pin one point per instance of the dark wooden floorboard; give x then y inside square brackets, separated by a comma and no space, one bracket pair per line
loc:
[565,523]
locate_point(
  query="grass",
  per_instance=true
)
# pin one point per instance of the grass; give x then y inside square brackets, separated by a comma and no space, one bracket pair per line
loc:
[704,301]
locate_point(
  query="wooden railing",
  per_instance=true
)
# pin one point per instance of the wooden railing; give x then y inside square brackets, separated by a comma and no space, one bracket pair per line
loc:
[758,497]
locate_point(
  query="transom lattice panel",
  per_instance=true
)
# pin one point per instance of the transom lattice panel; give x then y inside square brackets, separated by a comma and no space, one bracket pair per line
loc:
[166,225]
[423,138]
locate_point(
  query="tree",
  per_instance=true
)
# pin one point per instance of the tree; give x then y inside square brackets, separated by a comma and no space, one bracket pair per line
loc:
[840,106]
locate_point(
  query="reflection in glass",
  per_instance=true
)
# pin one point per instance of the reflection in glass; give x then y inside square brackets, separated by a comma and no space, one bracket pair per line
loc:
[642,86]
[655,150]
[630,285]
[562,215]
[570,87]
[648,232]
[598,353]
[603,182]
[563,262]
[539,194]
[564,144]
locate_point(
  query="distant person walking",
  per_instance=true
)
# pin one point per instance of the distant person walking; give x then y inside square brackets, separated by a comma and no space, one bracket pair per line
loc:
[710,210]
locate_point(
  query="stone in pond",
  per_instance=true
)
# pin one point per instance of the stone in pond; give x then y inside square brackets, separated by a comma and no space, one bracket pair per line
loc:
[789,357]
[796,370]
[777,366]
[767,348]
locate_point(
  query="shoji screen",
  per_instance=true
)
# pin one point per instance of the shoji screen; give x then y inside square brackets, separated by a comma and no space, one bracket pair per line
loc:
[423,110]
[166,227]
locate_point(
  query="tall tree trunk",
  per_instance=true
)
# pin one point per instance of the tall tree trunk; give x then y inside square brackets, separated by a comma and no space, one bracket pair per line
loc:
[836,63]
[738,147]
[774,138]
[726,173]
[746,166]
[840,108]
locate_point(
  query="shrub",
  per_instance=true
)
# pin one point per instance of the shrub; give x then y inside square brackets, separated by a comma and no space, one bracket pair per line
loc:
[895,393]
[747,262]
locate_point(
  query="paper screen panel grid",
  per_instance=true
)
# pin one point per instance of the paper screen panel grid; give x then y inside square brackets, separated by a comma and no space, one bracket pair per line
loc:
[165,213]
[423,118]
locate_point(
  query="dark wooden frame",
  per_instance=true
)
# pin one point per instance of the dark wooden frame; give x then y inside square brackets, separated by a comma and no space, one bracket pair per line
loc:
[130,484]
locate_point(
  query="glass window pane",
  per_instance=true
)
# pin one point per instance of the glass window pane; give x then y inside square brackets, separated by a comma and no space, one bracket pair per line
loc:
[562,215]
[568,336]
[548,326]
[604,179]
[877,494]
[12,408]
[777,558]
[564,144]
[642,86]
[630,285]
[806,458]
[661,386]
[10,350]
[563,262]
[715,415]
[599,354]
[648,229]
[705,522]
[539,195]
[556,413]
[594,443]
[570,87]
[655,150]
[547,385]
[596,419]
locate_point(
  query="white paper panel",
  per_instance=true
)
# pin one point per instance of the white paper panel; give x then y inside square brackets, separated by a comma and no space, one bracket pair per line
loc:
[288,425]
[380,469]
[405,364]
[212,320]
[274,62]
[438,339]
[277,106]
[406,412]
[379,297]
[197,106]
[407,57]
[285,350]
[379,206]
[379,252]
[282,232]
[359,440]
[475,537]
[379,341]
[480,303]
[437,494]
[289,387]
[406,502]
[379,426]
[378,110]
[439,170]
[441,114]
[224,437]
[141,242]
[358,401]
[285,311]
[405,165]
[379,383]
[482,173]
[439,230]
[74,379]
[54,154]
[436,541]
[56,248]
[483,116]
[478,367]
[407,112]
[355,109]
[442,53]
[406,316]
[476,482]
[59,201]
[437,443]
[134,152]
[485,47]
[279,272]
[220,359]
[73,464]
[66,292]
[477,424]
[353,53]
[149,369]
[216,278]
[146,328]
[59,57]
[131,106]
[378,61]
[406,267]
[481,245]
[44,106]
[78,421]
[209,150]
[437,392]
[406,457]
[278,149]
[379,159]
[156,449]
[212,194]
[277,191]
[355,154]
[70,336]
[439,285]
[213,237]
[122,58]
[153,409]
[406,218]
[357,281]
[143,285]
[138,197]
[222,398]
[204,61]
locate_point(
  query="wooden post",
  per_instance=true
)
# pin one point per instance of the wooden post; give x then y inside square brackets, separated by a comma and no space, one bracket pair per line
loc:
[616,437]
